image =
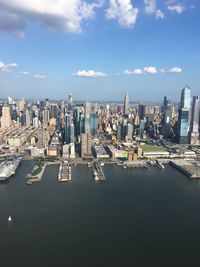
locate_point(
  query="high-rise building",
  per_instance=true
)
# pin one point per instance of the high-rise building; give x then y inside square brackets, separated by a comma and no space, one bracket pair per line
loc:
[126,104]
[185,97]
[45,115]
[195,120]
[141,129]
[86,145]
[93,123]
[28,118]
[141,111]
[6,117]
[67,128]
[184,117]
[87,109]
[167,110]
[183,126]
[69,102]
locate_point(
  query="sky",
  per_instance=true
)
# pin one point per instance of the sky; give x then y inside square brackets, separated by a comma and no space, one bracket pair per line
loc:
[98,50]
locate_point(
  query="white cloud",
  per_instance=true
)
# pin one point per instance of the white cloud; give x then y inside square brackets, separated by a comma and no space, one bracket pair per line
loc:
[39,76]
[159,14]
[7,67]
[178,8]
[123,11]
[171,70]
[89,74]
[150,70]
[24,72]
[132,72]
[175,70]
[58,15]
[150,6]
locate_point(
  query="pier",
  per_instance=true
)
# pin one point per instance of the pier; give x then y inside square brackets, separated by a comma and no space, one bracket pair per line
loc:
[64,173]
[189,168]
[98,172]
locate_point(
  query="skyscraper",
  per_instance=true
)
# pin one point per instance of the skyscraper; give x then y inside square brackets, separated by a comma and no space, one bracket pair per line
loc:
[184,117]
[167,110]
[70,102]
[6,117]
[86,145]
[67,128]
[195,119]
[185,97]
[126,104]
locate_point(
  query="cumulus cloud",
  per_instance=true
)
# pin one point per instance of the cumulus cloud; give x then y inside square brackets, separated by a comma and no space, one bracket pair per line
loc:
[59,15]
[159,14]
[132,72]
[175,69]
[39,76]
[171,70]
[178,8]
[89,74]
[7,66]
[123,11]
[150,7]
[150,70]
[24,72]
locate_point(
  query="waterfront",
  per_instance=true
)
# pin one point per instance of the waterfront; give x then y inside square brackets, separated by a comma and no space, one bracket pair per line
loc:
[137,217]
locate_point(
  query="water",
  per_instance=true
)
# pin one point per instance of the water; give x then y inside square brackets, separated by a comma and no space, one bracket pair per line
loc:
[136,218]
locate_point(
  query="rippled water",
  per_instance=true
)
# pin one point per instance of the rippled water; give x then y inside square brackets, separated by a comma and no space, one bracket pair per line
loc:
[136,218]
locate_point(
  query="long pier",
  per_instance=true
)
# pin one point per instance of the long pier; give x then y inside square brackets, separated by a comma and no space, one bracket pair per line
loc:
[190,169]
[64,173]
[98,172]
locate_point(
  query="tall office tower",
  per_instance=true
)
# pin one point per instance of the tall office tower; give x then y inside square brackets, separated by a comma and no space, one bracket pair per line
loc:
[195,120]
[124,130]
[87,124]
[93,123]
[86,145]
[167,110]
[45,115]
[81,124]
[141,129]
[185,97]
[126,104]
[69,102]
[107,112]
[62,107]
[54,111]
[72,133]
[137,120]
[67,128]
[141,111]
[23,119]
[47,103]
[35,122]
[184,117]
[183,126]
[10,101]
[6,117]
[87,109]
[21,104]
[119,132]
[28,118]
[129,131]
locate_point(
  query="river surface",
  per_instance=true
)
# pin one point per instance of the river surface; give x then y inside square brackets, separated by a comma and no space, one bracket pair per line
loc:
[137,217]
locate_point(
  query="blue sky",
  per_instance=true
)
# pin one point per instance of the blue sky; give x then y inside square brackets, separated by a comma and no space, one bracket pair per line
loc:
[99,49]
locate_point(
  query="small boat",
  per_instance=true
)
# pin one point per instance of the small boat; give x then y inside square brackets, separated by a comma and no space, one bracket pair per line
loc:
[29,182]
[9,219]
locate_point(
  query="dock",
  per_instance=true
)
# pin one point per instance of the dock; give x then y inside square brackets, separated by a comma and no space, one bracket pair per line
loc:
[189,168]
[98,172]
[64,173]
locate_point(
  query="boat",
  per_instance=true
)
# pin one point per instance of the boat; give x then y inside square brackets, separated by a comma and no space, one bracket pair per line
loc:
[9,167]
[102,164]
[9,219]
[29,182]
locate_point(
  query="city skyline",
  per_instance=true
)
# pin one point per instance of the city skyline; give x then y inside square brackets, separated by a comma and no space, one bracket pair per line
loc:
[147,48]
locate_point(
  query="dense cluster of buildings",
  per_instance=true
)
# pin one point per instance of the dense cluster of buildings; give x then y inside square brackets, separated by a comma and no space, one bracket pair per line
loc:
[87,130]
